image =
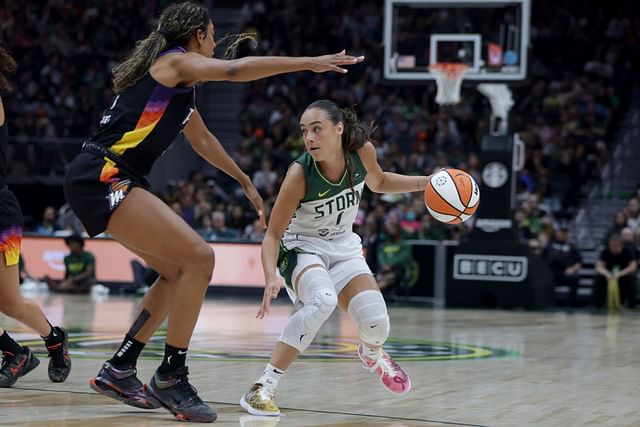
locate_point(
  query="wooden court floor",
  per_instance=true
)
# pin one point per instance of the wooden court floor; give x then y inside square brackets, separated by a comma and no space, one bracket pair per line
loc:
[468,368]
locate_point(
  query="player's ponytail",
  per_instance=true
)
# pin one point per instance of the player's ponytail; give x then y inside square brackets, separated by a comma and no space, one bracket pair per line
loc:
[7,66]
[354,137]
[177,24]
[138,62]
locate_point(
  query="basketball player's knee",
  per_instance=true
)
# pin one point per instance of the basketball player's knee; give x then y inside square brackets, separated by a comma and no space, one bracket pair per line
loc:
[320,300]
[317,290]
[200,260]
[323,303]
[302,328]
[369,311]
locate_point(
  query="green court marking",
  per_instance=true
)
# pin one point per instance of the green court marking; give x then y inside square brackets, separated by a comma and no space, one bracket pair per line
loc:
[83,345]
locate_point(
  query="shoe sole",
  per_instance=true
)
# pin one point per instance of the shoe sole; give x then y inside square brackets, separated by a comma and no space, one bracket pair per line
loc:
[33,365]
[65,349]
[398,393]
[112,391]
[251,410]
[179,416]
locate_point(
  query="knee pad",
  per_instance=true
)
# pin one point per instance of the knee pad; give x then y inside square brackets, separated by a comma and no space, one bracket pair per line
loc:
[369,311]
[317,293]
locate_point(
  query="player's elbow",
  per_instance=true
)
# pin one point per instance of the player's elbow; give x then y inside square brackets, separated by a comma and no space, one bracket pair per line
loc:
[376,186]
[233,71]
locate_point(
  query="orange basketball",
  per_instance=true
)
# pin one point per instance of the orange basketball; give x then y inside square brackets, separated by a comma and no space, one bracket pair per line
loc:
[452,196]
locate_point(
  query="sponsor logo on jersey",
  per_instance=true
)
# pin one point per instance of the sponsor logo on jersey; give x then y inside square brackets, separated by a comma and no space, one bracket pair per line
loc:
[322,194]
[118,191]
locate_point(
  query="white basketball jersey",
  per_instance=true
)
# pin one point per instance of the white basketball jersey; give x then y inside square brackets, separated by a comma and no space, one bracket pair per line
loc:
[328,209]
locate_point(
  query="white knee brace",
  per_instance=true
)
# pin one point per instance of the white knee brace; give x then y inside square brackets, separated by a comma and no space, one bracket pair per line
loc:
[317,293]
[369,311]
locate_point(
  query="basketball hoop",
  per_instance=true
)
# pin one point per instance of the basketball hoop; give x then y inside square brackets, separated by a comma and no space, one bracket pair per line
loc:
[449,76]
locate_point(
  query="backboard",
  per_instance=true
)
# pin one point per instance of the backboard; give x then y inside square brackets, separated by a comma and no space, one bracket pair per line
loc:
[490,36]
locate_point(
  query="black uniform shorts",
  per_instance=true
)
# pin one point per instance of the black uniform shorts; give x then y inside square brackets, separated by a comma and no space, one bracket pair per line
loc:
[96,183]
[11,223]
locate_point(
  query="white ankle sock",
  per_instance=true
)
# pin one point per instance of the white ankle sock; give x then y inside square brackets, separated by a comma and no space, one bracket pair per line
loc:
[370,353]
[270,376]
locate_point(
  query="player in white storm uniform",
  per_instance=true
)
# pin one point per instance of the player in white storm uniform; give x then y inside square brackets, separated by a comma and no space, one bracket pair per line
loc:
[311,242]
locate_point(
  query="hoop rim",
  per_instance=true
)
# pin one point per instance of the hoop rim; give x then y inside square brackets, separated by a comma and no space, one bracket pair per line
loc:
[449,69]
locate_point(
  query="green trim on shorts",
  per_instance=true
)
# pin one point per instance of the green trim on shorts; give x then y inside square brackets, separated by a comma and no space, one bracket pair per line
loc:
[287,262]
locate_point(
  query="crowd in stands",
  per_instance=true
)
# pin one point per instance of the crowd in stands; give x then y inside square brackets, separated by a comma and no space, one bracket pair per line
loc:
[65,52]
[565,114]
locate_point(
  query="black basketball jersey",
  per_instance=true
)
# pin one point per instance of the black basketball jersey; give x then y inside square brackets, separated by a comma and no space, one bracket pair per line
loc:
[144,120]
[4,147]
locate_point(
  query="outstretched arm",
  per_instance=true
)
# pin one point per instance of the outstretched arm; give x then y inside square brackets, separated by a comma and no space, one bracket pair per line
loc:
[195,67]
[387,182]
[291,192]
[210,149]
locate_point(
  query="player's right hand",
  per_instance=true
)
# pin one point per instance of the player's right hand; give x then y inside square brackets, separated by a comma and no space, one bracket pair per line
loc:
[321,64]
[271,290]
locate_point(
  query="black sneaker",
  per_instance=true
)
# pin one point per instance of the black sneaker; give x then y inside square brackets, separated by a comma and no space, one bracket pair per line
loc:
[17,366]
[176,395]
[123,385]
[59,359]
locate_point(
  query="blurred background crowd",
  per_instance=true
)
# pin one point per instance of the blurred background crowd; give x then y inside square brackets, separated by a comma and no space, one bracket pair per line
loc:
[567,113]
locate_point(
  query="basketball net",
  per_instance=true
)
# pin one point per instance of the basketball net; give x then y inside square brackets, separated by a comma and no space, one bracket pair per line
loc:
[449,76]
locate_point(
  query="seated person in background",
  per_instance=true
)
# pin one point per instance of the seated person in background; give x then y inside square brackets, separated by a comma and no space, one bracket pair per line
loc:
[394,260]
[629,241]
[143,275]
[80,268]
[616,262]
[220,231]
[48,225]
[564,260]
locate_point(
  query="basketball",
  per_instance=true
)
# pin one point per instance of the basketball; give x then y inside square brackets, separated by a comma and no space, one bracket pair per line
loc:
[452,196]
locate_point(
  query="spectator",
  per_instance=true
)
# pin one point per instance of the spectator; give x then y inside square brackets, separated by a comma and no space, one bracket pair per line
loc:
[616,263]
[266,175]
[564,260]
[67,220]
[254,232]
[48,225]
[629,241]
[633,209]
[143,275]
[219,230]
[394,261]
[80,268]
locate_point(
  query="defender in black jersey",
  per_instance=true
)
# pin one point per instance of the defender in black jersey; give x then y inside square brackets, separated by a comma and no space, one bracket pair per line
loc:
[105,185]
[17,360]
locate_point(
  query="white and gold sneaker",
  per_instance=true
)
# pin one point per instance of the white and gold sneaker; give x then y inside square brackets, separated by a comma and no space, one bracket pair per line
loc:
[259,401]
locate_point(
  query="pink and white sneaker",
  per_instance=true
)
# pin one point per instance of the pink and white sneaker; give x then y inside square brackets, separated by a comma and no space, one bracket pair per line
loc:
[393,377]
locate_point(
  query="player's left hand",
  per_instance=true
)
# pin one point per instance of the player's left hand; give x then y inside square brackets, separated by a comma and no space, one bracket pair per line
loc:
[334,62]
[254,197]
[271,290]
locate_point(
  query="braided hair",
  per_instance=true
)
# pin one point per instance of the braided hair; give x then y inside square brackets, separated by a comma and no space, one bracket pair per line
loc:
[177,24]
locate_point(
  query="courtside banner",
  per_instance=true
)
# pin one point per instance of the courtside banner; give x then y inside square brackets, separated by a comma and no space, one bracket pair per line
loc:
[237,264]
